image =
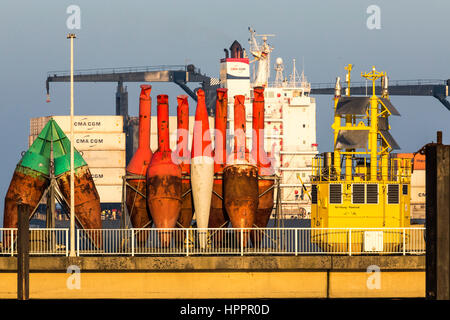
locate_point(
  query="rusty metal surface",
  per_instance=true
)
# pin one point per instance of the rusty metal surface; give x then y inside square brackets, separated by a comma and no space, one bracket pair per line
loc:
[186,212]
[265,204]
[164,202]
[137,204]
[24,187]
[241,195]
[87,200]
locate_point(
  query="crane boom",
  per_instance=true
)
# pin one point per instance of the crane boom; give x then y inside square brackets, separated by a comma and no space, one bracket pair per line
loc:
[178,74]
[433,88]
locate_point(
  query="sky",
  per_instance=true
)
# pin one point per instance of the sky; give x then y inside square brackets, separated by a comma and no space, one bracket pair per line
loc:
[326,35]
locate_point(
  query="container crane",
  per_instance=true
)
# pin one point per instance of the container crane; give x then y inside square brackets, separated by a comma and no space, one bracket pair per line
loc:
[178,74]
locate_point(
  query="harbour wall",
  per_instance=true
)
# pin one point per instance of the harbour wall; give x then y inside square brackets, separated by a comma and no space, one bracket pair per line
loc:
[219,277]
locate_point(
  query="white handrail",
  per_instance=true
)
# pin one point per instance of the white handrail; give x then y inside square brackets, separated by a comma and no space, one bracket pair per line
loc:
[222,241]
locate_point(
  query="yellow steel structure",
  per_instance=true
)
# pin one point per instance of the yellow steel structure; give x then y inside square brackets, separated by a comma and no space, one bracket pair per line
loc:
[360,185]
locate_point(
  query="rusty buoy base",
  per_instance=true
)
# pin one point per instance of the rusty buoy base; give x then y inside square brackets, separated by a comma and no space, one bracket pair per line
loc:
[87,200]
[164,198]
[218,217]
[137,208]
[265,207]
[241,195]
[26,186]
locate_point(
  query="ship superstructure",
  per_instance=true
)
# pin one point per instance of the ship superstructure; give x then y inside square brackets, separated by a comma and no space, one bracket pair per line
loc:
[290,116]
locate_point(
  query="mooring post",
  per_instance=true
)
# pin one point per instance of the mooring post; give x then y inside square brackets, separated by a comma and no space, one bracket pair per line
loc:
[437,220]
[23,248]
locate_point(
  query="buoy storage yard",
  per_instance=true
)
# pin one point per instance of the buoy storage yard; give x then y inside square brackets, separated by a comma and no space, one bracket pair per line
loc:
[223,191]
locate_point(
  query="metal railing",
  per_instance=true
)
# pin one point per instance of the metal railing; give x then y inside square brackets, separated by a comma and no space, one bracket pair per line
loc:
[253,241]
[221,241]
[62,73]
[328,85]
[43,241]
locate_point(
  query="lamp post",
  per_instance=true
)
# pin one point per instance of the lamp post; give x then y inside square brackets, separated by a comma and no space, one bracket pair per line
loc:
[72,36]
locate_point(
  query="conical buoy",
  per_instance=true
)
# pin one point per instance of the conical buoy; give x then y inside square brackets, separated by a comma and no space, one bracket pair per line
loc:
[183,154]
[218,217]
[164,179]
[202,167]
[265,168]
[240,177]
[136,203]
[29,181]
[87,200]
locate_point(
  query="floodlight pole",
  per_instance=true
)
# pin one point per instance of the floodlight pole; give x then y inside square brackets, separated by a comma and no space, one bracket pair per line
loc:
[72,36]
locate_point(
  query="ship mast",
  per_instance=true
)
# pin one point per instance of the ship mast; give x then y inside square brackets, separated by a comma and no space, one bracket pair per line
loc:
[261,53]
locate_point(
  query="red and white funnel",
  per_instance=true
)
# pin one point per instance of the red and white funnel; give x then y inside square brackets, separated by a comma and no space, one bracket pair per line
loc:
[202,167]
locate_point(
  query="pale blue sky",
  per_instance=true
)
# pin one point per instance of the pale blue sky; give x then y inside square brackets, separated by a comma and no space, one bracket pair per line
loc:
[411,44]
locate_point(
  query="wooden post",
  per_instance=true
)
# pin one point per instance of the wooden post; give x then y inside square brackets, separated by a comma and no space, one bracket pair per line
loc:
[23,248]
[437,221]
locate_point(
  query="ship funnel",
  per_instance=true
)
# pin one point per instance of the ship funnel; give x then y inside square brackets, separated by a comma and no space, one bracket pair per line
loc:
[136,203]
[164,179]
[236,50]
[202,168]
[183,155]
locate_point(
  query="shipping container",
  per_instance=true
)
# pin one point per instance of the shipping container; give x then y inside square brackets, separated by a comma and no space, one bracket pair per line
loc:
[110,193]
[110,124]
[95,141]
[99,141]
[419,159]
[107,176]
[104,159]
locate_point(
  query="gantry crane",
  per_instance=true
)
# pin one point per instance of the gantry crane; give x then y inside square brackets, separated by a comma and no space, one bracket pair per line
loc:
[178,74]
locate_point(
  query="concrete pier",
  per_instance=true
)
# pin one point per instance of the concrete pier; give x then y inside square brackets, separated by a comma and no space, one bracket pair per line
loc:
[219,277]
